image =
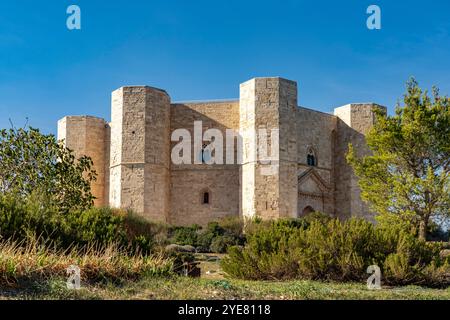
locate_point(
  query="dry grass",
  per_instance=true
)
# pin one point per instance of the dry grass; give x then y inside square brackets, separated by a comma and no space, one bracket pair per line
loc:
[21,262]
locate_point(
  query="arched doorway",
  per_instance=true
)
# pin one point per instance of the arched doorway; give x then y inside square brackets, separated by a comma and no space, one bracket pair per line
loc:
[307,211]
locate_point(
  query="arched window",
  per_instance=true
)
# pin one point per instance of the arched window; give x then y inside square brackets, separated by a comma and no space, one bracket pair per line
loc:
[311,159]
[205,199]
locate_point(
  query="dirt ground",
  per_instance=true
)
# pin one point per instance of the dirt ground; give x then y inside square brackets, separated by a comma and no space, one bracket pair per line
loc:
[210,265]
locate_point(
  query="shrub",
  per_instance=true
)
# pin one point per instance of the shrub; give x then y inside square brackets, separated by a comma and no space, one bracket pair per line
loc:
[160,235]
[328,249]
[34,218]
[136,225]
[184,235]
[254,225]
[181,260]
[99,225]
[264,255]
[143,234]
[222,233]
[207,236]
[232,225]
[220,244]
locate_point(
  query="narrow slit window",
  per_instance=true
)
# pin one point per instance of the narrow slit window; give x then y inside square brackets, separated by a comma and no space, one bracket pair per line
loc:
[206,198]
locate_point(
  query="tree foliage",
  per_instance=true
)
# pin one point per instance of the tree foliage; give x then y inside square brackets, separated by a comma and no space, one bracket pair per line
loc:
[406,177]
[31,162]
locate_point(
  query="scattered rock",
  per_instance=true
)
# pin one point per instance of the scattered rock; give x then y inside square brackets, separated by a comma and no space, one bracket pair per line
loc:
[189,249]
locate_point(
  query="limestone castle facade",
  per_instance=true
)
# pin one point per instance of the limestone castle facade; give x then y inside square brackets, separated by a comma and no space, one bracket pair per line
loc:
[132,155]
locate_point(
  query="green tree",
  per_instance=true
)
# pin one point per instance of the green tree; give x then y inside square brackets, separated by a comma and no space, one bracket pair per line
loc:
[406,177]
[31,162]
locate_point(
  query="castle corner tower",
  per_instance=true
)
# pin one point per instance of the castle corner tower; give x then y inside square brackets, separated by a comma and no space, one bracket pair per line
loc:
[89,136]
[140,151]
[354,122]
[269,191]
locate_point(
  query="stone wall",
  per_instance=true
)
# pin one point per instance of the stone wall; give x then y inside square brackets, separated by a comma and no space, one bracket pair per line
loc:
[190,181]
[316,130]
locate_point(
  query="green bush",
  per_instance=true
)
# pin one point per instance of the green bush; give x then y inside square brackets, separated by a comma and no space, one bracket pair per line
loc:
[206,237]
[232,225]
[220,244]
[34,218]
[99,225]
[184,235]
[220,235]
[216,237]
[328,249]
[180,260]
[144,235]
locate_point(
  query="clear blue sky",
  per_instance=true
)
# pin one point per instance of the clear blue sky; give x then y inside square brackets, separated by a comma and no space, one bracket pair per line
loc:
[204,49]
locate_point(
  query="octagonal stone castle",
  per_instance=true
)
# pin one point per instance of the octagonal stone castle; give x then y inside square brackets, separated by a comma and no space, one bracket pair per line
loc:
[132,155]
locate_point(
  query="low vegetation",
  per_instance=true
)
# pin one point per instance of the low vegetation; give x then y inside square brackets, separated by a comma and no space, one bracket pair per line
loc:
[215,237]
[39,242]
[25,220]
[328,249]
[31,263]
[47,219]
[181,288]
